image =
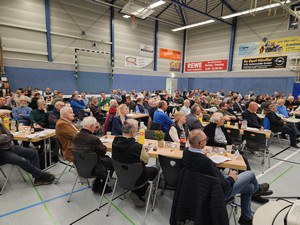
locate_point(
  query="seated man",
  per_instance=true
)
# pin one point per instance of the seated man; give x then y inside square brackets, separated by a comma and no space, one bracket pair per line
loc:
[227,115]
[3,104]
[192,119]
[152,107]
[186,107]
[161,118]
[54,115]
[96,111]
[58,97]
[85,141]
[26,158]
[250,115]
[76,104]
[245,183]
[65,131]
[277,125]
[39,116]
[22,113]
[126,150]
[103,100]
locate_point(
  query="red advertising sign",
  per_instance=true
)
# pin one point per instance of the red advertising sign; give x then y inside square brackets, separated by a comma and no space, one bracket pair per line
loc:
[212,65]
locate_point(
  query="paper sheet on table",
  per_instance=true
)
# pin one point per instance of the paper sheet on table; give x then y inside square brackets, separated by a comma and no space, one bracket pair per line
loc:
[130,114]
[40,134]
[106,140]
[252,128]
[219,159]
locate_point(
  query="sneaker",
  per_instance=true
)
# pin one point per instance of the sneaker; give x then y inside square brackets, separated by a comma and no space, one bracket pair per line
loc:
[136,200]
[245,221]
[44,179]
[259,199]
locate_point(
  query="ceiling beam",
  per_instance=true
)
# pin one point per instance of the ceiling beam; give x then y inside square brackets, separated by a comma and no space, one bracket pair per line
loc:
[228,5]
[182,13]
[168,6]
[198,11]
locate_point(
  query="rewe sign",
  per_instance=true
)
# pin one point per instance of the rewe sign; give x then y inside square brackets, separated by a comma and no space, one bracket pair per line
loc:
[212,65]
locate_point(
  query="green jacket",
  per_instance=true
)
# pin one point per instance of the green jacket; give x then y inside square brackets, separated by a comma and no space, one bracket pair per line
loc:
[103,103]
[39,117]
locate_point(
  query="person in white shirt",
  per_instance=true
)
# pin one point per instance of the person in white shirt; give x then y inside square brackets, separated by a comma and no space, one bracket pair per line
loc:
[178,128]
[186,107]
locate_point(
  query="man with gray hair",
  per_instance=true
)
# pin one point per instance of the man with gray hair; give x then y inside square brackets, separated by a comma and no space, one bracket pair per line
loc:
[86,141]
[22,113]
[65,131]
[192,119]
[126,150]
[245,183]
[39,116]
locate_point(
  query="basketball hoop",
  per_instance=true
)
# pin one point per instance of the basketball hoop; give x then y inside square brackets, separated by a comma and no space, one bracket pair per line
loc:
[133,22]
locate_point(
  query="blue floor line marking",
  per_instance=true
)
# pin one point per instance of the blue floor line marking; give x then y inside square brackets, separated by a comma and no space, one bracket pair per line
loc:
[40,203]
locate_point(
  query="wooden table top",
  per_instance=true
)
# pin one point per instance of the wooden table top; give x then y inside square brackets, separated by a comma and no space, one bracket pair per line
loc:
[266,132]
[37,136]
[238,164]
[136,115]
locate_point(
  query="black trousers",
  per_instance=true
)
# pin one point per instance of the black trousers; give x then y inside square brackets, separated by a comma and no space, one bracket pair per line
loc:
[149,174]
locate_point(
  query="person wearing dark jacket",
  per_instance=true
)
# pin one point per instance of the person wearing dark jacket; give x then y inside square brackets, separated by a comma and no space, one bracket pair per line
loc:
[86,142]
[277,125]
[126,150]
[119,119]
[39,116]
[54,114]
[96,111]
[192,119]
[250,115]
[34,100]
[110,115]
[26,158]
[195,159]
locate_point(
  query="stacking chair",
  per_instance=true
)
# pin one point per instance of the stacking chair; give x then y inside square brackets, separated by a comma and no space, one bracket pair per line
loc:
[84,163]
[268,127]
[170,168]
[127,176]
[149,134]
[9,174]
[235,136]
[257,142]
[155,126]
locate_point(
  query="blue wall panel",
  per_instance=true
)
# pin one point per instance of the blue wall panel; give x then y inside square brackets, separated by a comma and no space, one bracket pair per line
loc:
[128,82]
[182,84]
[57,79]
[296,90]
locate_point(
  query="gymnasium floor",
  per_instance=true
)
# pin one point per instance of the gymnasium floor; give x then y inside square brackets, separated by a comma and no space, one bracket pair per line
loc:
[22,203]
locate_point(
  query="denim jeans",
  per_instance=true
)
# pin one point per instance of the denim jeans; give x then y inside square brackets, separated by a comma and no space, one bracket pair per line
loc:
[26,158]
[246,184]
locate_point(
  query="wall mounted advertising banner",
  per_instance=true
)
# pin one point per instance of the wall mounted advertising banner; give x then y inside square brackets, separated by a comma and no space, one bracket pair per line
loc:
[137,62]
[264,63]
[280,45]
[146,50]
[212,65]
[169,54]
[248,49]
[175,66]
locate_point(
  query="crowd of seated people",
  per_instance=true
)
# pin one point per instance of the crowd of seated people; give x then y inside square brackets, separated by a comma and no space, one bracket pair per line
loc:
[178,114]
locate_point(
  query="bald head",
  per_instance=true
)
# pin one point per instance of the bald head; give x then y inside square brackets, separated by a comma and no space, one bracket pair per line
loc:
[253,107]
[197,139]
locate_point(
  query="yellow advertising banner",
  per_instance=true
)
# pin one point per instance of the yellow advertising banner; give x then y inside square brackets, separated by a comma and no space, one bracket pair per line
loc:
[169,54]
[291,44]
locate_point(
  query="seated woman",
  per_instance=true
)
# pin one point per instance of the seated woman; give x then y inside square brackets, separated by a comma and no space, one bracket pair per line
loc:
[126,150]
[178,128]
[96,111]
[110,115]
[119,119]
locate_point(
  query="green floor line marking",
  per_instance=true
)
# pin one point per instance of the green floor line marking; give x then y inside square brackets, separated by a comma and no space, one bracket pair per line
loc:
[120,211]
[280,175]
[41,199]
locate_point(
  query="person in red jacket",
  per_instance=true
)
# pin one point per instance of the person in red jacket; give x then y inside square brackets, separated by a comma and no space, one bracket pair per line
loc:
[111,113]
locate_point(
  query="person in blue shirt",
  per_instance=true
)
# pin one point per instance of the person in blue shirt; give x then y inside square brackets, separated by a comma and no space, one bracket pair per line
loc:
[22,113]
[76,104]
[282,110]
[161,118]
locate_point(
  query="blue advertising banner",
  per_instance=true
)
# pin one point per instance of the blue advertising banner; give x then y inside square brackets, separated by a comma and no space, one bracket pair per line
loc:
[248,49]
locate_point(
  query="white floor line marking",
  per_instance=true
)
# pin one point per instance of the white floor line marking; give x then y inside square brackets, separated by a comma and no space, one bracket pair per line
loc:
[276,165]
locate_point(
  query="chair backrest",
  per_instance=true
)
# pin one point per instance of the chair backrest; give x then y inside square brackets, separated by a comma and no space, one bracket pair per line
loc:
[255,141]
[50,107]
[155,126]
[171,169]
[234,134]
[149,134]
[267,124]
[84,162]
[80,114]
[206,117]
[128,174]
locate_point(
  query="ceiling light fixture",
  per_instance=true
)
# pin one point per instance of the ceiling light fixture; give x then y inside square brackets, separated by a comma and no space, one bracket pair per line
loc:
[126,16]
[193,25]
[254,10]
[156,4]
